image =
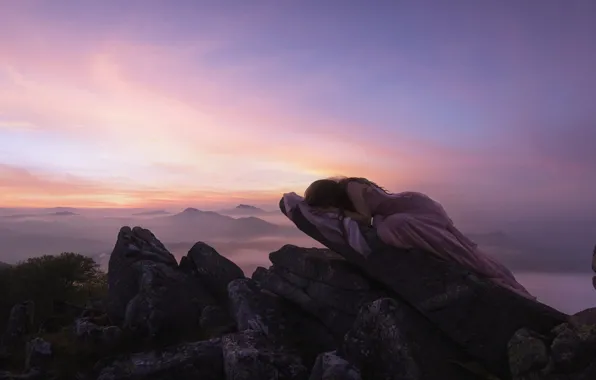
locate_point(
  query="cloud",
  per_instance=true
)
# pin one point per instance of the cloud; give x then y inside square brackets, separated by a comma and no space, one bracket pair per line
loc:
[175,112]
[22,187]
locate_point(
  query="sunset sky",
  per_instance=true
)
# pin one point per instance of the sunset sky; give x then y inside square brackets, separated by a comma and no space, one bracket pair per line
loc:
[486,104]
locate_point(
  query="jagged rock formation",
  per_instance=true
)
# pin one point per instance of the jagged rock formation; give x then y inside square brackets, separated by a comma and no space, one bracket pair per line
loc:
[313,314]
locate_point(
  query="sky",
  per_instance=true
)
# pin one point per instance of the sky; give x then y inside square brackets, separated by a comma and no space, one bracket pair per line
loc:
[484,105]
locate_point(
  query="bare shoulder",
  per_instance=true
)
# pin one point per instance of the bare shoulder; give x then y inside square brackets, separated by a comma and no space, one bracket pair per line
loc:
[355,186]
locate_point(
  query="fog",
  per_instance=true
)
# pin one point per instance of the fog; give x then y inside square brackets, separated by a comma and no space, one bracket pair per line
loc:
[247,236]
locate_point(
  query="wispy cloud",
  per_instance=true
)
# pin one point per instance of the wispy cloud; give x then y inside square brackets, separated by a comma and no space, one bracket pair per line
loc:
[153,103]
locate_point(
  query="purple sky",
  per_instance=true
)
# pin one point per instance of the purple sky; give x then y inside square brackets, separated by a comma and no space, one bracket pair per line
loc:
[484,105]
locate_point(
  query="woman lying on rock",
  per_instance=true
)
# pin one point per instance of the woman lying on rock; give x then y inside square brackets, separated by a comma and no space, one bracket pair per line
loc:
[407,220]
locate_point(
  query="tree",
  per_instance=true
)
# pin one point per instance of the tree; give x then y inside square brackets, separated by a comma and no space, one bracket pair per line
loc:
[68,277]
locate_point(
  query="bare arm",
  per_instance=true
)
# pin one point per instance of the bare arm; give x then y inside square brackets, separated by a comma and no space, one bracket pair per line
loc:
[356,193]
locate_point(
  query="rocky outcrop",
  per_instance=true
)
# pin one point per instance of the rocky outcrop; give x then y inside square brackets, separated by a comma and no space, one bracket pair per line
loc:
[321,282]
[566,352]
[475,313]
[196,360]
[18,326]
[214,270]
[331,366]
[313,314]
[148,292]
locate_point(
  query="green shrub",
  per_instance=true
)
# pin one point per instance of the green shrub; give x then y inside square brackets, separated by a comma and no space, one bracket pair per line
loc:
[68,277]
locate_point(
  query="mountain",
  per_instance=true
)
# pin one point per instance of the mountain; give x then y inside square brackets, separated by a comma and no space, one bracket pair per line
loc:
[62,209]
[193,223]
[152,213]
[248,208]
[55,213]
[64,213]
[243,209]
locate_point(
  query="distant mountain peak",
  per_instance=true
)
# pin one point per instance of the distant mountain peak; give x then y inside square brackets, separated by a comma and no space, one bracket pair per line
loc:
[152,212]
[191,210]
[195,212]
[64,213]
[246,207]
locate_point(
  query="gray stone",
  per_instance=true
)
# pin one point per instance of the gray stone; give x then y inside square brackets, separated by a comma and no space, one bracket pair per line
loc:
[38,354]
[249,355]
[199,360]
[390,340]
[148,293]
[321,265]
[214,270]
[474,312]
[527,353]
[330,366]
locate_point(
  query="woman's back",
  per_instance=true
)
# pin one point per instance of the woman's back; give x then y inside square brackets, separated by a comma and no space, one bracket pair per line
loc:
[414,219]
[410,202]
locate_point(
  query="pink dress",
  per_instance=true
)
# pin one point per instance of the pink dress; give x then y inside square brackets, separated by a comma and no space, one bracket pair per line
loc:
[414,220]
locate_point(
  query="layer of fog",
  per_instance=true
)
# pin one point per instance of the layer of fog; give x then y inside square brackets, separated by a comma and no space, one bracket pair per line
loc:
[536,246]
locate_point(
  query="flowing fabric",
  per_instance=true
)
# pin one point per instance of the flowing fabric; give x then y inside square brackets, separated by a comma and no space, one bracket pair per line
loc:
[414,220]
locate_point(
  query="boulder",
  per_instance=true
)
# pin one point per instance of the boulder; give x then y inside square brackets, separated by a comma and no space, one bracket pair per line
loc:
[391,340]
[251,355]
[527,353]
[197,360]
[567,352]
[474,312]
[320,282]
[214,270]
[330,366]
[216,321]
[33,374]
[148,293]
[281,322]
[101,336]
[18,325]
[38,354]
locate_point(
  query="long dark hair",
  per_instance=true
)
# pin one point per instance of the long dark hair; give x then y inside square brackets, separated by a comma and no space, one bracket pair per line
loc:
[332,192]
[345,180]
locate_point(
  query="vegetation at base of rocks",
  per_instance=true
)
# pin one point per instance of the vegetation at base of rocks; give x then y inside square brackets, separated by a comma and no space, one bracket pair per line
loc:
[68,277]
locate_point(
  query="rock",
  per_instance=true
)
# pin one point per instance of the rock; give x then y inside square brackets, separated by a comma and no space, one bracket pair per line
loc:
[216,321]
[585,317]
[320,265]
[281,322]
[103,336]
[132,245]
[330,366]
[527,353]
[197,360]
[390,340]
[571,355]
[250,355]
[33,374]
[475,313]
[18,325]
[336,321]
[321,282]
[38,354]
[148,293]
[214,270]
[573,348]
[377,344]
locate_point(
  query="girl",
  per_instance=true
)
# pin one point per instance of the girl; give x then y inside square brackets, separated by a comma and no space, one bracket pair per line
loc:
[407,220]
